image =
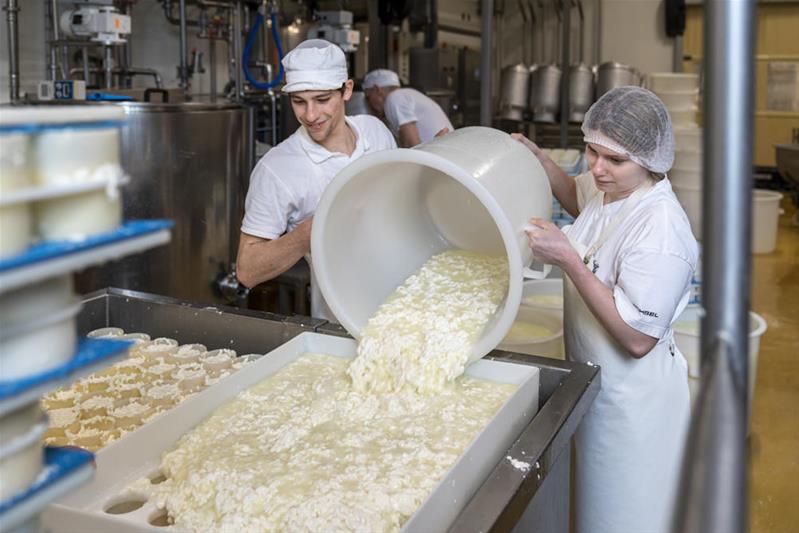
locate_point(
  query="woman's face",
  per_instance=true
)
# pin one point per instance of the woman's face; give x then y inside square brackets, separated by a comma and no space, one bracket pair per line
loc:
[614,173]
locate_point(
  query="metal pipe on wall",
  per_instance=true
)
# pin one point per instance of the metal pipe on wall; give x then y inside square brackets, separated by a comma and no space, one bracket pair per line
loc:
[12,9]
[84,56]
[108,67]
[486,49]
[597,32]
[678,53]
[59,53]
[236,37]
[714,494]
[565,52]
[212,60]
[431,30]
[377,38]
[123,73]
[183,73]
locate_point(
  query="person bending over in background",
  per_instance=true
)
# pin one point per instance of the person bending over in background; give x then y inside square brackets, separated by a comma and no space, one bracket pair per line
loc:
[413,117]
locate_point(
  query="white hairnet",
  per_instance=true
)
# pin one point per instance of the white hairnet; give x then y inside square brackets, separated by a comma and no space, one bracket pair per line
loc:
[381,78]
[633,121]
[315,65]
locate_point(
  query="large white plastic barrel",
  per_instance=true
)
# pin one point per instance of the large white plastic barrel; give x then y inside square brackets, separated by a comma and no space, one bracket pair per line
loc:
[383,216]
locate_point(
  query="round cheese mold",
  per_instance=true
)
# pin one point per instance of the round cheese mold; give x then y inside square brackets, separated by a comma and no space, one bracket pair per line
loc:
[187,353]
[217,360]
[106,333]
[163,395]
[132,414]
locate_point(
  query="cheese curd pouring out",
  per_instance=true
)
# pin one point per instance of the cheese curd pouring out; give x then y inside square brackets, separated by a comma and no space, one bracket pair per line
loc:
[422,334]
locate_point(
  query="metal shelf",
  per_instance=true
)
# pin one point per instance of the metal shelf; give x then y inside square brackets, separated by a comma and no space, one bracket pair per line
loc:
[51,259]
[65,469]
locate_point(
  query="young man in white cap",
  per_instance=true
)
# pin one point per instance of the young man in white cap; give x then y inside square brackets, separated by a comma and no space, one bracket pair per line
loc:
[287,183]
[412,116]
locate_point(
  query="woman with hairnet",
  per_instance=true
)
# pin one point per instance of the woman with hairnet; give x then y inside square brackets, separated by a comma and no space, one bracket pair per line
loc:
[627,262]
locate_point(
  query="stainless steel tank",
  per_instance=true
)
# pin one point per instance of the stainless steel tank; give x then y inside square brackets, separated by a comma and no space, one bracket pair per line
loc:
[581,91]
[544,100]
[514,91]
[190,163]
[611,75]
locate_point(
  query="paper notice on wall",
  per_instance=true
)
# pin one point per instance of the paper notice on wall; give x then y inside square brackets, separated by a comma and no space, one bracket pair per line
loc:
[783,86]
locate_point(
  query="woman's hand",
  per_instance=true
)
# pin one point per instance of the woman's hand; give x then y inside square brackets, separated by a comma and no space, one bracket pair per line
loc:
[530,145]
[550,245]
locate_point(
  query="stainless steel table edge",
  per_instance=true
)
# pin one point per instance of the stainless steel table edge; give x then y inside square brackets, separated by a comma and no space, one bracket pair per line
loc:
[540,445]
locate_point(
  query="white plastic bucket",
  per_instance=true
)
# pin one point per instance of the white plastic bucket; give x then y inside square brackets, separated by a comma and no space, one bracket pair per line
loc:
[687,337]
[765,213]
[40,345]
[658,82]
[387,213]
[765,217]
[545,345]
[79,215]
[687,159]
[16,228]
[688,139]
[684,118]
[679,100]
[686,176]
[690,197]
[21,460]
[544,295]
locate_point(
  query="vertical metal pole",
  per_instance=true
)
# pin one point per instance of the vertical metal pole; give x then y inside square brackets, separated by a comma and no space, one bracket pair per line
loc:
[377,38]
[108,64]
[597,32]
[183,73]
[431,31]
[58,53]
[11,8]
[84,54]
[486,51]
[52,73]
[678,53]
[714,495]
[212,60]
[237,73]
[565,53]
[727,203]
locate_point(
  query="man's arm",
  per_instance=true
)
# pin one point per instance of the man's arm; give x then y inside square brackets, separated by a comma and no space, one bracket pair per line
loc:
[260,259]
[409,135]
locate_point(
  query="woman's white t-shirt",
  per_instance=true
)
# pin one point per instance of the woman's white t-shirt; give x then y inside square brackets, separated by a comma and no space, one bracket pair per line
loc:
[649,259]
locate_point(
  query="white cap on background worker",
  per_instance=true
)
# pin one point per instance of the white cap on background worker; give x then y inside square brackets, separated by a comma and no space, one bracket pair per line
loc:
[381,78]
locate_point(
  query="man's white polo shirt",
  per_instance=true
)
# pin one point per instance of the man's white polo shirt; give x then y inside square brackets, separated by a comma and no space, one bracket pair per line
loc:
[287,183]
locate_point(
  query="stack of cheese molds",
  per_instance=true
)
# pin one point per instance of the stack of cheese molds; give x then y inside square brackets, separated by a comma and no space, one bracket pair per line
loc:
[60,211]
[157,375]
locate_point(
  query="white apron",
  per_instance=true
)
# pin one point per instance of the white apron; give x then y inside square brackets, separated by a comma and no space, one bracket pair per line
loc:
[629,445]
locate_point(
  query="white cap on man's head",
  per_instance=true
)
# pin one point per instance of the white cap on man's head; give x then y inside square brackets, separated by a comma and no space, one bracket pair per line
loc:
[381,78]
[315,65]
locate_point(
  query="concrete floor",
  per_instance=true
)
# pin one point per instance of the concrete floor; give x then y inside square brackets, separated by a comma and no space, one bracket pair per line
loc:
[774,442]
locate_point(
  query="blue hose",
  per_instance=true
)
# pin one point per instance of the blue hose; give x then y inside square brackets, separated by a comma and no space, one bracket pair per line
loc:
[245,60]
